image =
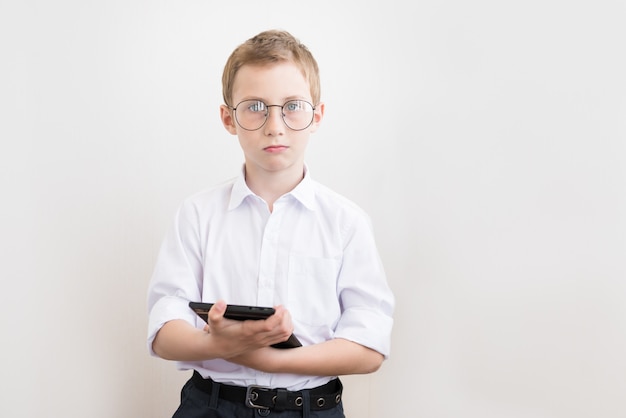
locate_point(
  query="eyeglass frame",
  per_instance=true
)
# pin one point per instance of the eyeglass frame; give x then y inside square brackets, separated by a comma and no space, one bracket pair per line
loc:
[267,115]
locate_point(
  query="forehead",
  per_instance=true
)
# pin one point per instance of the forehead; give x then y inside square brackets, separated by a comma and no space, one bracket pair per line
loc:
[274,83]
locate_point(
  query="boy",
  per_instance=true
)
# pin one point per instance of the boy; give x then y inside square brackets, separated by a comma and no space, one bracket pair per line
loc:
[270,237]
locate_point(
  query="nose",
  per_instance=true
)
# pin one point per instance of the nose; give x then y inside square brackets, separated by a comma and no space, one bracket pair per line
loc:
[274,125]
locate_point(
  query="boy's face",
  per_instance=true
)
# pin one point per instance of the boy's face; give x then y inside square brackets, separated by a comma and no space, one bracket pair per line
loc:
[274,147]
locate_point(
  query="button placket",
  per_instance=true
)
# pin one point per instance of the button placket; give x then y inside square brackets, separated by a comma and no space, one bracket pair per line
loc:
[268,259]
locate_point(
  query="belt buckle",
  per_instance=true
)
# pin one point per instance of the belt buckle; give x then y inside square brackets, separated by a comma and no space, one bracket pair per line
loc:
[252,395]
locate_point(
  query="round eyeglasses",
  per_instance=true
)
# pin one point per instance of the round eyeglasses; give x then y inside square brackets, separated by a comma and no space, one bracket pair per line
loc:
[252,114]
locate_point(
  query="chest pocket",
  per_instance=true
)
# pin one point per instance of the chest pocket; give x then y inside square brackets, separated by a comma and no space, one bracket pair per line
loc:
[312,289]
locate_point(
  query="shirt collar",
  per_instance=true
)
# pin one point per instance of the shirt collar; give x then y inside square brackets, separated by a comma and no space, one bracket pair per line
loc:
[240,190]
[304,192]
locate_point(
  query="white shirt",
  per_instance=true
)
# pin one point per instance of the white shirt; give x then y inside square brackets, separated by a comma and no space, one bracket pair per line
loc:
[314,253]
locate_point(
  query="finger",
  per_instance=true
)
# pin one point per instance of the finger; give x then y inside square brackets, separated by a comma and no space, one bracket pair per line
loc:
[287,321]
[279,313]
[216,313]
[284,317]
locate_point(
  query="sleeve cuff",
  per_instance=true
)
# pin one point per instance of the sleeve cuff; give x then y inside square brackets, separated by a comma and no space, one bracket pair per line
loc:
[369,328]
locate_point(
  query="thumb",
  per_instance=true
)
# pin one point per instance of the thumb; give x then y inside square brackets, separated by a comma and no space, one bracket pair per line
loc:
[216,313]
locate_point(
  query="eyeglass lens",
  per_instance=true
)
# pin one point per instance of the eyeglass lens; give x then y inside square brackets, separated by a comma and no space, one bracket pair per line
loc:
[252,114]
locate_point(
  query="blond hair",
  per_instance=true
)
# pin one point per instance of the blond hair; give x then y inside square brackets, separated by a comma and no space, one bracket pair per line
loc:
[271,47]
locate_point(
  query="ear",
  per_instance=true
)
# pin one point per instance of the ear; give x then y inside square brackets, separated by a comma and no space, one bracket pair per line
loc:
[318,115]
[228,120]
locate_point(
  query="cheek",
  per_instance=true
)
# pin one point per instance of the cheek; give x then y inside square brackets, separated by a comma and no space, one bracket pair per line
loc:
[302,141]
[246,141]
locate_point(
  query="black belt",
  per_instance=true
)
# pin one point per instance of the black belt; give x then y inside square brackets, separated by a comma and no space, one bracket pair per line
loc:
[259,397]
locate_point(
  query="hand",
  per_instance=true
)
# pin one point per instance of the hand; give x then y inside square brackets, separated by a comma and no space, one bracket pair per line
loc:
[234,338]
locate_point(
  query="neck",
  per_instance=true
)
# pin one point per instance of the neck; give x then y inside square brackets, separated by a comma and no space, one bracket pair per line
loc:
[271,185]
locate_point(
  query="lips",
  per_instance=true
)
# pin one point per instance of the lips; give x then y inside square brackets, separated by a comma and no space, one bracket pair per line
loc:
[275,148]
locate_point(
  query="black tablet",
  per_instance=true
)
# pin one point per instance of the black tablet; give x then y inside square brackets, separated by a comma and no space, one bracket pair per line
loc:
[242,313]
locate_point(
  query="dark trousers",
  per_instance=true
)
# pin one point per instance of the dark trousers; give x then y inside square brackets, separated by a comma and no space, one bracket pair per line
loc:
[197,404]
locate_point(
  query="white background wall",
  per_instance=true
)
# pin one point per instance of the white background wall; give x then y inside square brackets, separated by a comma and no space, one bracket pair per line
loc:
[486,139]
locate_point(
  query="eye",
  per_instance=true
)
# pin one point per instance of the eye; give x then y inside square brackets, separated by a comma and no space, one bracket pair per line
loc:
[295,106]
[255,106]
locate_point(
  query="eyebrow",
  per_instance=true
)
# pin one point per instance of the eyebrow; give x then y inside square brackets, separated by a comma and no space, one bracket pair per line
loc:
[285,100]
